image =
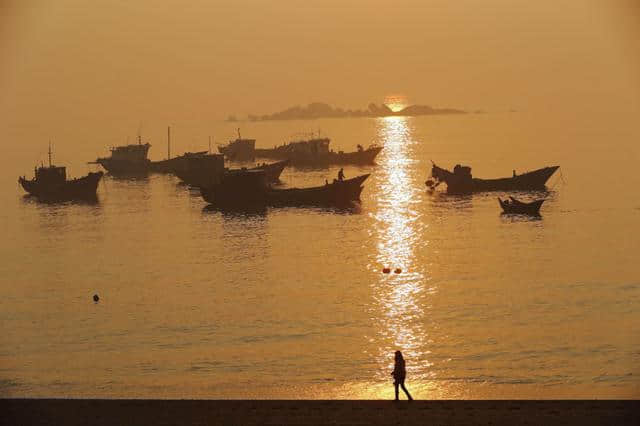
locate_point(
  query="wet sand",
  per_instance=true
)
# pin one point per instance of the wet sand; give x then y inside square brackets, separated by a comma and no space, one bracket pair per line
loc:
[275,412]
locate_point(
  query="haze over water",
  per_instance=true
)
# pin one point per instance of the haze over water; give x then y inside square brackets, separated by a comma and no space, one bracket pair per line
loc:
[292,302]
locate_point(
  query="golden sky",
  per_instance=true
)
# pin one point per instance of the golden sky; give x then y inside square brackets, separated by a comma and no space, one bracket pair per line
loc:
[108,60]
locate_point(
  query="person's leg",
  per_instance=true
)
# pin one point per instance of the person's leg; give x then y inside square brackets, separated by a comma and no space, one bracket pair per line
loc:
[406,391]
[395,385]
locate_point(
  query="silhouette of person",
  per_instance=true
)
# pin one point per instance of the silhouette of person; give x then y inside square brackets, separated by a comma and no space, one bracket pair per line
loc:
[341,174]
[399,373]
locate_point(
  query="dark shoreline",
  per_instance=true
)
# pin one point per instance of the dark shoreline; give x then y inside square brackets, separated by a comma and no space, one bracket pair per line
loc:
[278,412]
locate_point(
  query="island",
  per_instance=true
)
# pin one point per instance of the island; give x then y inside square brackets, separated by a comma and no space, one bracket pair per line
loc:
[322,110]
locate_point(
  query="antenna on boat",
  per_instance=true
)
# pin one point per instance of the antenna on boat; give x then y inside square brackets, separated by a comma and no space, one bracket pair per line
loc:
[168,142]
[49,153]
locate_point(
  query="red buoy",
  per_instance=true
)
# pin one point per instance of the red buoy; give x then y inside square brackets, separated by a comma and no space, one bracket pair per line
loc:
[386,270]
[397,270]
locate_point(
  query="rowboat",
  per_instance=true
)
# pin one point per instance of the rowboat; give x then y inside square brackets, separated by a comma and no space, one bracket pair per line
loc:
[460,181]
[514,206]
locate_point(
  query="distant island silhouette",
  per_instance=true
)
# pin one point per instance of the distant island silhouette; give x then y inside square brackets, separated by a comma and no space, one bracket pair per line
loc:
[322,110]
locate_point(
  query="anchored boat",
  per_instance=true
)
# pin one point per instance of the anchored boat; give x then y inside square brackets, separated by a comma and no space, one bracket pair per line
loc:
[127,159]
[514,206]
[460,181]
[316,152]
[50,183]
[249,187]
[239,149]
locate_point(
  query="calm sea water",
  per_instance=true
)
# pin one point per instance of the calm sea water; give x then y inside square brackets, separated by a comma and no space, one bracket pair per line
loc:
[292,302]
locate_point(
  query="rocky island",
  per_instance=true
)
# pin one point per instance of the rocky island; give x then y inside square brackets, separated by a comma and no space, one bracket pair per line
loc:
[323,110]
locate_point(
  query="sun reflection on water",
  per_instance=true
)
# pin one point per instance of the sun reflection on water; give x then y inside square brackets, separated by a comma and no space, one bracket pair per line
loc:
[399,306]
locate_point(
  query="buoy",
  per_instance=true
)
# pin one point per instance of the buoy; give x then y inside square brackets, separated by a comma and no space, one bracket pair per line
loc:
[386,270]
[95,298]
[397,270]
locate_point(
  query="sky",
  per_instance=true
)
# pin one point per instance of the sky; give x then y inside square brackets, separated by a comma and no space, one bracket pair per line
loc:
[107,62]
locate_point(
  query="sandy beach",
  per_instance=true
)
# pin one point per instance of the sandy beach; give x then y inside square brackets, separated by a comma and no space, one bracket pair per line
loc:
[290,412]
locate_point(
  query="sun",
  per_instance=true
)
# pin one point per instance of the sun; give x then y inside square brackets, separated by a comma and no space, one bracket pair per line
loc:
[396,102]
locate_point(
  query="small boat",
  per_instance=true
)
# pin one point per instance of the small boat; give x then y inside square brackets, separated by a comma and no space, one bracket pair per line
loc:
[460,181]
[127,159]
[51,184]
[514,206]
[239,149]
[316,152]
[249,187]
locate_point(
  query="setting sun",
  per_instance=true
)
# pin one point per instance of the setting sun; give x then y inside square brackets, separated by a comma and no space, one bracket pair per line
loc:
[396,102]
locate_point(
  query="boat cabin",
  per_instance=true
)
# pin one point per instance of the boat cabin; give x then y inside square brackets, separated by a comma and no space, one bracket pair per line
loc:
[51,174]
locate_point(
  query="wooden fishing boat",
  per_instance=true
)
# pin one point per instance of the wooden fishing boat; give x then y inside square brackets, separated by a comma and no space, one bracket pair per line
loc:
[239,149]
[514,206]
[127,159]
[249,187]
[272,170]
[460,181]
[175,164]
[316,152]
[51,183]
[201,170]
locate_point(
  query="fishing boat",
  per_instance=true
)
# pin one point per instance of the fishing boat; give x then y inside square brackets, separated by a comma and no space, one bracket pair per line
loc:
[239,149]
[51,183]
[316,152]
[249,187]
[201,170]
[272,170]
[514,206]
[175,164]
[460,181]
[127,159]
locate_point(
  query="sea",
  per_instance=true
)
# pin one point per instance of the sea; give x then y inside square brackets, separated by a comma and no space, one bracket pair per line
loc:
[199,302]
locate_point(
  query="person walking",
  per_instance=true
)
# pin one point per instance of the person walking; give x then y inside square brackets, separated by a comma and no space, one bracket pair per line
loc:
[399,374]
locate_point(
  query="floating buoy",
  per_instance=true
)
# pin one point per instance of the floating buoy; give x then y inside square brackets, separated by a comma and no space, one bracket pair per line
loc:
[397,270]
[95,298]
[386,270]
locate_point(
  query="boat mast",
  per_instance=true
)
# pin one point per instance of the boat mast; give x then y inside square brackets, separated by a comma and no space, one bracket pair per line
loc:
[239,133]
[209,144]
[168,142]
[49,153]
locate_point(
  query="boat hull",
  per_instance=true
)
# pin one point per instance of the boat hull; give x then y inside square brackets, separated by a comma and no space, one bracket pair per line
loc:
[463,183]
[272,171]
[124,167]
[337,193]
[80,188]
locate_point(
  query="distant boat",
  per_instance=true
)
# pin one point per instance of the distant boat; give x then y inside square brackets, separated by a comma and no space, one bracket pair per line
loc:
[315,151]
[515,206]
[249,187]
[239,149]
[460,181]
[127,159]
[50,183]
